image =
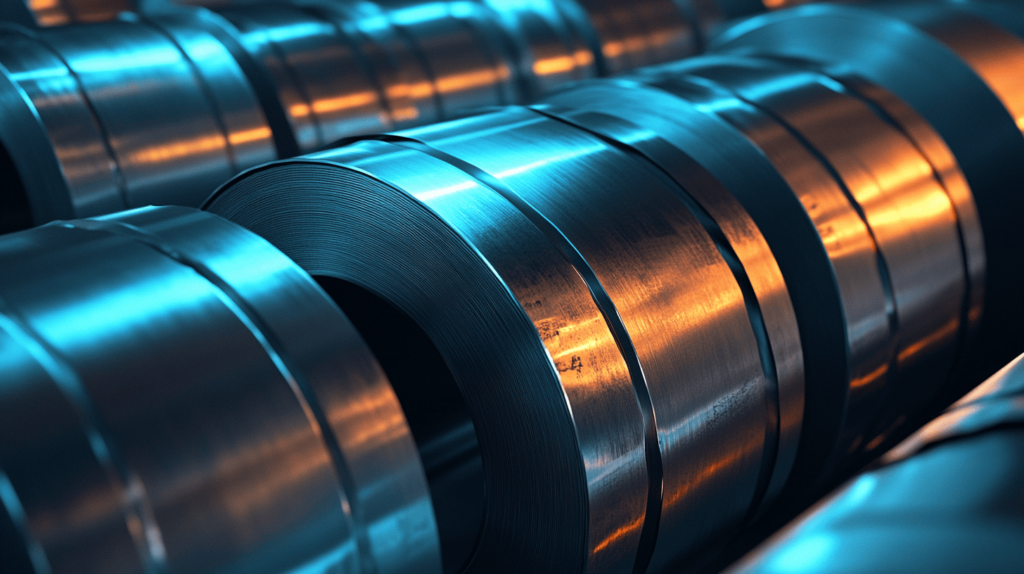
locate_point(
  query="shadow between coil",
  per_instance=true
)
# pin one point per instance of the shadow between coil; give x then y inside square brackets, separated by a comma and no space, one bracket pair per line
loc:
[619,351]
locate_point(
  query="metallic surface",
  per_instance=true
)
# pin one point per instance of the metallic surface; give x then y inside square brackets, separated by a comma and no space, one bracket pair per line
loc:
[947,499]
[670,141]
[124,114]
[670,353]
[196,403]
[891,228]
[943,88]
[46,13]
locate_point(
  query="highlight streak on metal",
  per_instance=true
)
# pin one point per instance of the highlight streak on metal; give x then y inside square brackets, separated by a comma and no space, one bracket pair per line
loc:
[651,147]
[265,336]
[138,512]
[649,530]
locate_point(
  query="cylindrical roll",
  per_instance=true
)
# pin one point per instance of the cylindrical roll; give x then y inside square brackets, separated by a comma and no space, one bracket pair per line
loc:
[196,403]
[553,42]
[946,500]
[674,112]
[123,114]
[916,66]
[624,367]
[899,239]
[61,12]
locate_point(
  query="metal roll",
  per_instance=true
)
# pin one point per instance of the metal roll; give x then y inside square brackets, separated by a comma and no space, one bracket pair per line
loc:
[123,114]
[628,350]
[895,233]
[196,403]
[674,131]
[553,43]
[61,12]
[910,63]
[672,106]
[945,500]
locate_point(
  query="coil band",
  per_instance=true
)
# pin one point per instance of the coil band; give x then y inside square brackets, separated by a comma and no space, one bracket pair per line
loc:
[914,66]
[289,445]
[510,210]
[111,152]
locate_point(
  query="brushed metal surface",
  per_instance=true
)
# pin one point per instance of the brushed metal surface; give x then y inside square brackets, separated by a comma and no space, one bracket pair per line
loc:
[133,113]
[196,403]
[915,66]
[633,308]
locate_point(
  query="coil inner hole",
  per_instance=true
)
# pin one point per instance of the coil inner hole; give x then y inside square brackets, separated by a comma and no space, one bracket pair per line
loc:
[15,213]
[436,412]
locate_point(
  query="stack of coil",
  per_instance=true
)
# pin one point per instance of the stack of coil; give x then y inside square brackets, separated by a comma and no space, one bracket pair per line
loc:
[160,109]
[947,499]
[625,324]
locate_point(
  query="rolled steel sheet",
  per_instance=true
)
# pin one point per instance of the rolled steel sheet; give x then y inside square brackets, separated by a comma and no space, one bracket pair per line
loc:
[894,231]
[944,89]
[946,500]
[196,403]
[122,114]
[671,107]
[673,133]
[46,13]
[601,322]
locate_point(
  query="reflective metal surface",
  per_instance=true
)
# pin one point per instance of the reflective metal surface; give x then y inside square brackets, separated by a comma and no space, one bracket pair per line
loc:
[625,299]
[123,114]
[944,89]
[891,228]
[196,403]
[947,499]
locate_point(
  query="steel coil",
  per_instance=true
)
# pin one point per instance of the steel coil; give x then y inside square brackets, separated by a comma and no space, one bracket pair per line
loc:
[946,500]
[195,403]
[61,12]
[900,241]
[632,339]
[122,114]
[945,83]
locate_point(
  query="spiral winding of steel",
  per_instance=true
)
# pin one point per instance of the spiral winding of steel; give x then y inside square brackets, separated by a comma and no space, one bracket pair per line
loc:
[945,500]
[624,324]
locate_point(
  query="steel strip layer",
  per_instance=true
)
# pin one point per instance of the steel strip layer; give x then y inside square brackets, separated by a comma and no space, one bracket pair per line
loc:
[910,218]
[910,63]
[131,114]
[587,230]
[945,500]
[269,438]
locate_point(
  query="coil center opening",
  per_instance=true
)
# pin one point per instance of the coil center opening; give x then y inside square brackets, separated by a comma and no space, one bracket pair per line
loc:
[15,214]
[435,410]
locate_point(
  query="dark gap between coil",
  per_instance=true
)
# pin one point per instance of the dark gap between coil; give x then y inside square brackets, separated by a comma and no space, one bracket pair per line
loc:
[15,213]
[436,412]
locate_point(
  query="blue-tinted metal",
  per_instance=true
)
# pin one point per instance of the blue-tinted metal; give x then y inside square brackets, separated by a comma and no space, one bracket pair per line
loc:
[195,404]
[946,500]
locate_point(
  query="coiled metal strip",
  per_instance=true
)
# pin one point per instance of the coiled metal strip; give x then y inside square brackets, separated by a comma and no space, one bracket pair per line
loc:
[741,245]
[287,446]
[895,189]
[125,114]
[61,12]
[945,500]
[666,344]
[914,66]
